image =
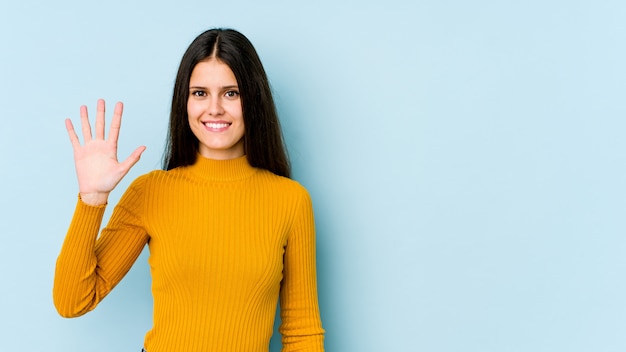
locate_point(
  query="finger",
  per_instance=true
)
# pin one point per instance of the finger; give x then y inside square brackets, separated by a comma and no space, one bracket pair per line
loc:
[71,133]
[116,122]
[84,122]
[133,158]
[100,119]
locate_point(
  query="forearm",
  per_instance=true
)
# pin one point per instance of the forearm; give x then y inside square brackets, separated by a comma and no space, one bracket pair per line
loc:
[308,343]
[301,326]
[75,289]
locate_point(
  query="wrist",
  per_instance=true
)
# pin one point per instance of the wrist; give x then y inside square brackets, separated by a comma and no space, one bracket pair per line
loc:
[94,199]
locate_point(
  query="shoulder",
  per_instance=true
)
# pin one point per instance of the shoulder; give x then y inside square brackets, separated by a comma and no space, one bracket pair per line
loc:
[284,184]
[147,180]
[290,193]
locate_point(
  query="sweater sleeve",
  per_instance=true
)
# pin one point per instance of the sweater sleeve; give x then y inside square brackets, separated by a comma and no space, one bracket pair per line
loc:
[90,266]
[301,326]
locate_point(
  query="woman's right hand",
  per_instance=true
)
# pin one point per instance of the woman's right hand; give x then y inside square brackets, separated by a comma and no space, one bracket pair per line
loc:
[96,162]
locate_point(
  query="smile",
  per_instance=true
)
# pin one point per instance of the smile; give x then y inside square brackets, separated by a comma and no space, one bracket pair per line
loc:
[217,125]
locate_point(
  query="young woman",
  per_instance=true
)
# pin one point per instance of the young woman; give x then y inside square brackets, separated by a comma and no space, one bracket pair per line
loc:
[229,233]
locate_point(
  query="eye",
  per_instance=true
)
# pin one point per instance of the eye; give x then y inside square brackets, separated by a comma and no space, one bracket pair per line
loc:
[198,93]
[232,94]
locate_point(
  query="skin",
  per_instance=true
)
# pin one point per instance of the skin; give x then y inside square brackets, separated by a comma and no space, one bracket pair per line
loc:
[97,167]
[215,117]
[215,112]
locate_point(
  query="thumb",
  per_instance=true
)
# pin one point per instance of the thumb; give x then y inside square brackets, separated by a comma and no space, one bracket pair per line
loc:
[133,158]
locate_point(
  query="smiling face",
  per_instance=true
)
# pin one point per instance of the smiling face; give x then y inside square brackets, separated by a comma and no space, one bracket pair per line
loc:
[214,110]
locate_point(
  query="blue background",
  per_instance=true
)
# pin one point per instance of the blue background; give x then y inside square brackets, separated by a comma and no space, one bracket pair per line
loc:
[465,159]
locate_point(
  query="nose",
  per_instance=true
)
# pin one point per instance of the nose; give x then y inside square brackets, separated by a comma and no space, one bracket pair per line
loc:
[215,107]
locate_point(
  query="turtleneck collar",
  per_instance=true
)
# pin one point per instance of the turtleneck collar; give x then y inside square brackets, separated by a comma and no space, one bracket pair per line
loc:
[222,170]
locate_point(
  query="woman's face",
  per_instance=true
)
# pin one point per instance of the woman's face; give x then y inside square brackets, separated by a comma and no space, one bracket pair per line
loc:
[214,110]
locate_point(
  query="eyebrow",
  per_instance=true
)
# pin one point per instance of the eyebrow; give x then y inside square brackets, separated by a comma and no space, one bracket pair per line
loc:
[221,88]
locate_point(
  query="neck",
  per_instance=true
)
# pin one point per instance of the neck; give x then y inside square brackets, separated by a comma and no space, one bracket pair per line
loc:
[222,170]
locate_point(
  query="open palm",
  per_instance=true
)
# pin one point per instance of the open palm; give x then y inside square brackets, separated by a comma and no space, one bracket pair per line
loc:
[97,167]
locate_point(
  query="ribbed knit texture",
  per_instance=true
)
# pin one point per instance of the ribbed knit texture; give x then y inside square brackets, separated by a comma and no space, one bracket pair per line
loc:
[226,241]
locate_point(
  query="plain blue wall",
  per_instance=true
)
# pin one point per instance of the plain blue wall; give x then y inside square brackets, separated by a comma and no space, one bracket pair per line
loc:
[465,158]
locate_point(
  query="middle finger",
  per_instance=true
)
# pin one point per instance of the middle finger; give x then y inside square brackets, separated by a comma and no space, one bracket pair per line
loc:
[100,120]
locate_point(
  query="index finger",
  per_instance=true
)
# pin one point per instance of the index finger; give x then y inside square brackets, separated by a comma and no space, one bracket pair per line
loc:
[116,122]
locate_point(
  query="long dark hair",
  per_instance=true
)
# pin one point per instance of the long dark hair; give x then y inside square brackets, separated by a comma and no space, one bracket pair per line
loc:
[263,139]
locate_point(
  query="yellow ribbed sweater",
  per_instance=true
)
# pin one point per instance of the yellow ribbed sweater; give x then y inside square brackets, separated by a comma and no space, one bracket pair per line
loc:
[226,241]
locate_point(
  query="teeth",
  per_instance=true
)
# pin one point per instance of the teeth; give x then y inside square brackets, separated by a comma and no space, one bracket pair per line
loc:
[216,124]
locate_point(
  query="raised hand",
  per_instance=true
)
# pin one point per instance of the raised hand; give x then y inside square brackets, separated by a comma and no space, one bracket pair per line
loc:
[97,167]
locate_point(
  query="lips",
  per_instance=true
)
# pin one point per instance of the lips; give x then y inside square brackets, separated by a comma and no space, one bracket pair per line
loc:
[217,126]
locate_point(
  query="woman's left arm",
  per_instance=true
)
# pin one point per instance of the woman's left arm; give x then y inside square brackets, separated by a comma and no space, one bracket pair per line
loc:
[301,325]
